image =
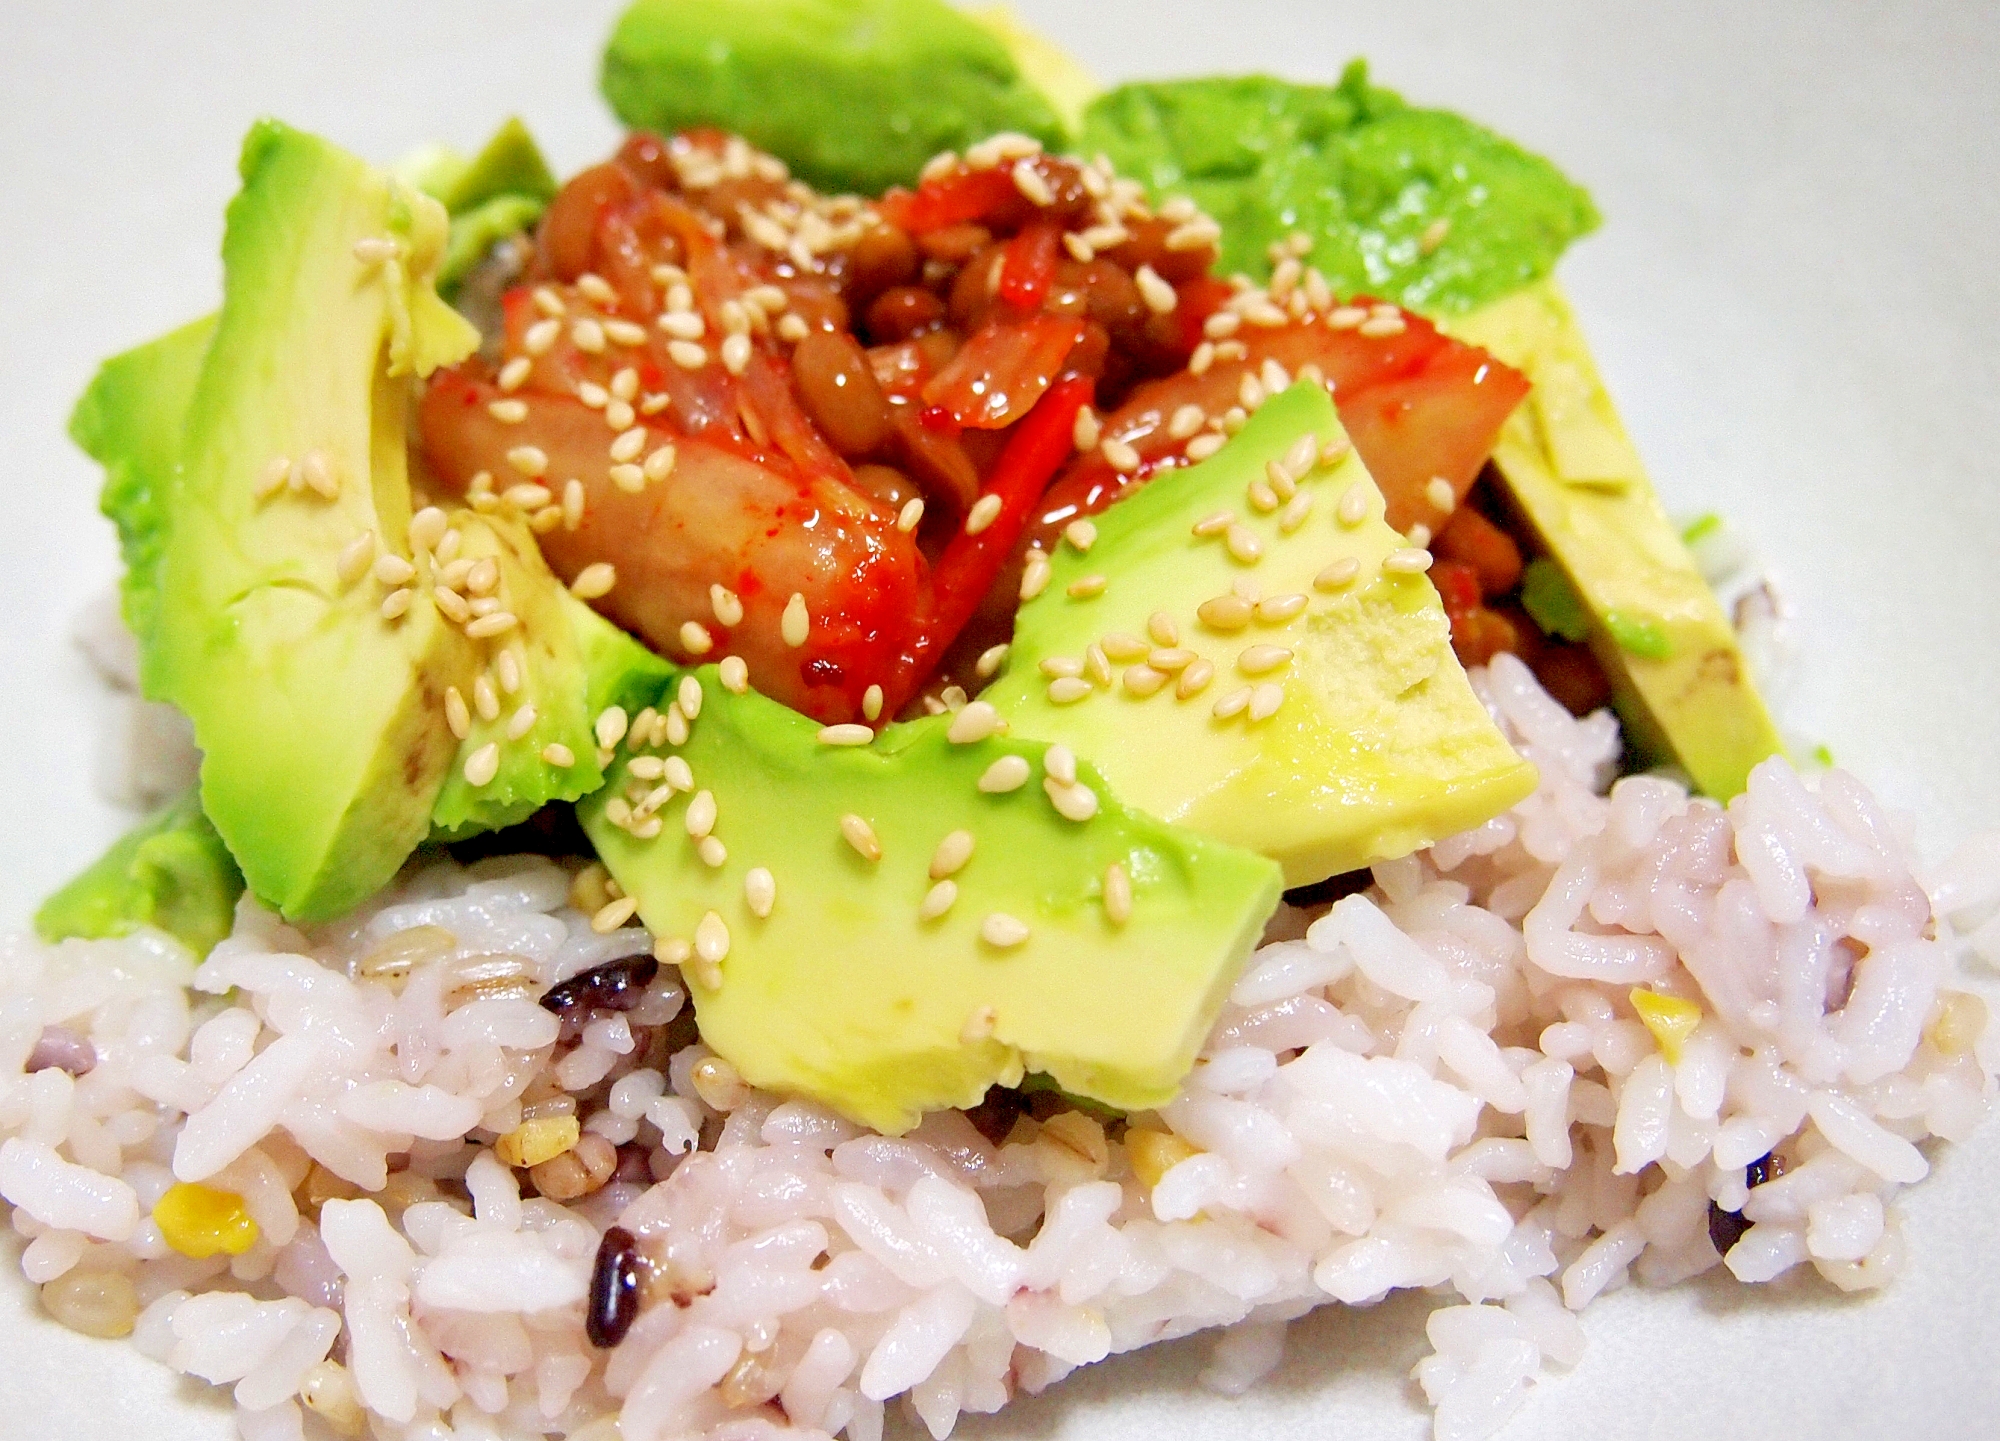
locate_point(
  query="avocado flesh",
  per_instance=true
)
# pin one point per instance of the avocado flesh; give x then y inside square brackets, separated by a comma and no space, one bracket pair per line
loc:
[854,94]
[845,995]
[1380,746]
[1679,680]
[172,871]
[318,719]
[501,191]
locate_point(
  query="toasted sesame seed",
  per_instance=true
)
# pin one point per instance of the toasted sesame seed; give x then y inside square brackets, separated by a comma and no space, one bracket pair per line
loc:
[1353,507]
[613,914]
[1096,664]
[1284,484]
[484,576]
[1262,498]
[485,627]
[456,715]
[1202,359]
[682,324]
[1233,703]
[1118,455]
[548,302]
[1195,235]
[1170,658]
[594,580]
[646,768]
[588,336]
[1280,608]
[1440,494]
[1243,544]
[610,726]
[1246,589]
[1159,295]
[1296,512]
[937,900]
[1122,645]
[973,723]
[860,835]
[1378,326]
[485,699]
[1265,700]
[796,623]
[625,384]
[1059,665]
[624,332]
[1250,392]
[984,512]
[1143,680]
[355,558]
[1035,575]
[1031,183]
[396,604]
[427,528]
[712,852]
[1275,379]
[1215,523]
[711,939]
[628,444]
[508,412]
[990,660]
[793,328]
[701,812]
[695,639]
[1059,764]
[1203,446]
[848,733]
[1086,587]
[1262,659]
[1067,690]
[1073,802]
[951,855]
[514,374]
[687,354]
[675,726]
[483,764]
[1082,534]
[660,464]
[592,394]
[527,496]
[1335,451]
[688,696]
[540,338]
[529,460]
[736,354]
[483,605]
[1221,325]
[1117,894]
[1086,432]
[1008,773]
[1002,931]
[1408,561]
[1346,317]
[677,773]
[1194,680]
[619,415]
[629,478]
[560,756]
[1419,536]
[320,477]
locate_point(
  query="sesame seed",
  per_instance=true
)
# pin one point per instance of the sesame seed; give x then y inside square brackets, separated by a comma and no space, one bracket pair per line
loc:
[508,412]
[395,604]
[587,336]
[1346,317]
[937,900]
[619,415]
[1249,392]
[1284,484]
[673,726]
[1275,379]
[1159,296]
[1353,507]
[1194,680]
[984,512]
[1379,326]
[736,354]
[660,464]
[1280,608]
[712,852]
[1197,234]
[1002,931]
[560,756]
[951,855]
[1117,894]
[1097,665]
[484,576]
[700,817]
[1009,773]
[1262,659]
[860,835]
[734,673]
[1335,451]
[1221,325]
[695,639]
[1440,494]
[529,460]
[1122,645]
[1244,588]
[1067,690]
[1203,446]
[526,496]
[1086,432]
[974,722]
[592,394]
[627,446]
[483,764]
[646,768]
[1419,535]
[1265,700]
[355,558]
[540,338]
[727,607]
[1243,544]
[375,249]
[1170,658]
[1035,575]
[1059,665]
[1081,534]
[1408,561]
[711,939]
[677,773]
[594,580]
[682,324]
[1143,680]
[1233,703]
[793,328]
[455,714]
[1030,182]
[1059,764]
[1119,456]
[688,697]
[1086,587]
[1264,315]
[274,477]
[1297,511]
[549,302]
[625,384]
[1214,524]
[1202,359]
[485,699]
[521,722]
[573,501]
[482,606]
[796,623]
[613,914]
[1186,421]
[848,733]
[990,660]
[625,332]
[1262,498]
[485,627]
[514,374]
[610,726]
[687,354]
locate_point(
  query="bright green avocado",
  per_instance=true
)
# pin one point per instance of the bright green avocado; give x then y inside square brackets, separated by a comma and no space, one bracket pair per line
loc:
[500,192]
[1680,682]
[130,422]
[1378,746]
[845,993]
[853,94]
[171,871]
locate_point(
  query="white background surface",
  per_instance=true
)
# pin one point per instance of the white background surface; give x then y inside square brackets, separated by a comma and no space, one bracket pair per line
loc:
[1794,298]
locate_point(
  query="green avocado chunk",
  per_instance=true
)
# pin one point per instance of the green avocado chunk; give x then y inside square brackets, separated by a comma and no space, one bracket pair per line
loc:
[1679,680]
[129,421]
[500,192]
[172,871]
[852,94]
[1378,745]
[1421,207]
[843,991]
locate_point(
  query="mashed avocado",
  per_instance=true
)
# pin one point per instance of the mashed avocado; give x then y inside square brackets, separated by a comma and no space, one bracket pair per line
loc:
[1421,207]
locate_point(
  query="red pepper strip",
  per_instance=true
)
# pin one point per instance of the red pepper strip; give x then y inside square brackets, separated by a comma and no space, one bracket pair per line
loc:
[1030,266]
[949,200]
[1199,299]
[1038,448]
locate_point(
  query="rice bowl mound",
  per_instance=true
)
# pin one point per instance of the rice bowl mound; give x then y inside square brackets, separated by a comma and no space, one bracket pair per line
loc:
[1593,1039]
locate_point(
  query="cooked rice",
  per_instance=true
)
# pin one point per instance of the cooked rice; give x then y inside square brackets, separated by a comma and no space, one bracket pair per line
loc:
[1439,1083]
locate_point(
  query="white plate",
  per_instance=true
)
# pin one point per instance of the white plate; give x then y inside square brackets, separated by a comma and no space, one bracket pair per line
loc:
[1794,298]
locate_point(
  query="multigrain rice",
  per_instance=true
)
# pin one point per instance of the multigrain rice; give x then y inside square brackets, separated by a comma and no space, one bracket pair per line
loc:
[1442,1081]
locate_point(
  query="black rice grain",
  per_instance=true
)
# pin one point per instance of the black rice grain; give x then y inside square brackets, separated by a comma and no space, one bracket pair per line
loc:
[614,1289]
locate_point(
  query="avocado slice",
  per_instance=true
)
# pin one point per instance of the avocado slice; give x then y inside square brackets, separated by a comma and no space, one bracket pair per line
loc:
[129,421]
[172,871]
[1679,680]
[853,94]
[500,192]
[1380,745]
[845,993]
